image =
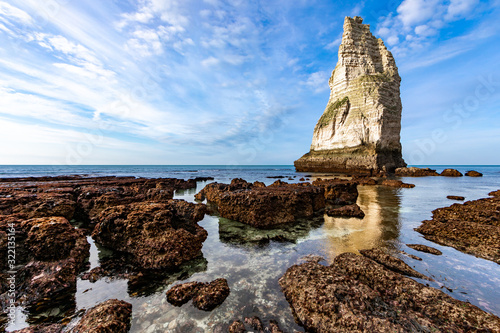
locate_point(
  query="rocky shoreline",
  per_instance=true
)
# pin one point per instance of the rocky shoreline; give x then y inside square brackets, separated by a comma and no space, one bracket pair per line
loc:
[154,235]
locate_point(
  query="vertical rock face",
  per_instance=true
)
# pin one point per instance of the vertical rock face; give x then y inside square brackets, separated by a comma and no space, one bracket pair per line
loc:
[359,130]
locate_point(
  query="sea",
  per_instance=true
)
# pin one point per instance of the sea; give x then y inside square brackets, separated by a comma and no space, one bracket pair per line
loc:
[253,265]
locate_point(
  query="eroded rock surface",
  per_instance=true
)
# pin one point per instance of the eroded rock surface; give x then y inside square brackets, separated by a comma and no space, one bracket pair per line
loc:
[359,131]
[338,191]
[356,294]
[261,206]
[157,235]
[473,173]
[346,211]
[472,227]
[396,183]
[109,316]
[415,172]
[205,296]
[451,173]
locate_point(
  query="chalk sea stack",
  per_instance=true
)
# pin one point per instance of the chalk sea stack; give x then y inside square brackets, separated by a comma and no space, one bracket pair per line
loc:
[359,131]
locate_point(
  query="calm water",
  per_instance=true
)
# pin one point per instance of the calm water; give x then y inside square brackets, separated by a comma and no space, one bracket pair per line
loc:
[253,266]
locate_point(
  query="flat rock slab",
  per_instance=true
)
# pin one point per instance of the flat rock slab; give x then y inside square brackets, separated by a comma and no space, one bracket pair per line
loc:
[425,248]
[472,227]
[455,197]
[338,191]
[396,183]
[357,294]
[415,172]
[109,316]
[264,206]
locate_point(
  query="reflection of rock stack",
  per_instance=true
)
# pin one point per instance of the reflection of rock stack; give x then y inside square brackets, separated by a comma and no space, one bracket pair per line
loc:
[359,130]
[380,224]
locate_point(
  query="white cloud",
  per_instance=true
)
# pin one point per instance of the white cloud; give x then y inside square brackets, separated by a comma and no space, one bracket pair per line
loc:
[459,8]
[9,12]
[318,81]
[413,12]
[209,62]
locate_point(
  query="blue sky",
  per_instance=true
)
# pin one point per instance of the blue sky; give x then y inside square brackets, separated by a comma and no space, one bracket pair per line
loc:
[233,82]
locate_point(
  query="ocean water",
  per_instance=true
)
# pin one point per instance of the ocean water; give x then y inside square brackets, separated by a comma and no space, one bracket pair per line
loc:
[252,265]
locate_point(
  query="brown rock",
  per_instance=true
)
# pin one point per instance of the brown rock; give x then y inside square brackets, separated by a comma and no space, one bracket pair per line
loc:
[425,248]
[210,295]
[455,197]
[157,235]
[264,206]
[95,274]
[52,238]
[182,293]
[396,183]
[109,316]
[356,294]
[365,181]
[472,227]
[274,327]
[237,327]
[494,193]
[256,324]
[411,255]
[415,172]
[451,173]
[346,211]
[473,173]
[338,191]
[394,264]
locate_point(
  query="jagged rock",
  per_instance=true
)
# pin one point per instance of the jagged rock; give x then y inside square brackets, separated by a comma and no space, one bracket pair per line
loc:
[455,197]
[95,274]
[182,293]
[237,327]
[346,211]
[262,206]
[472,227]
[425,248]
[494,193]
[415,172]
[473,173]
[356,294]
[338,191]
[396,183]
[210,295]
[451,173]
[157,235]
[109,316]
[359,131]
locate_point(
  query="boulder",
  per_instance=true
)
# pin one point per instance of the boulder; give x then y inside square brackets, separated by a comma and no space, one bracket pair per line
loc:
[156,235]
[473,173]
[262,206]
[109,316]
[451,173]
[205,296]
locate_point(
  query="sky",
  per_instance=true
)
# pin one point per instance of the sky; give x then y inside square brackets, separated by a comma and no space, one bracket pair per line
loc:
[233,81]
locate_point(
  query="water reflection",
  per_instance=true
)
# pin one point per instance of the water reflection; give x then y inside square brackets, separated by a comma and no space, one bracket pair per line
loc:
[379,228]
[241,234]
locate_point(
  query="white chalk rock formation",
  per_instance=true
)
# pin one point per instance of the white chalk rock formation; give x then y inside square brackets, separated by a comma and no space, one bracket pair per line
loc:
[359,131]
